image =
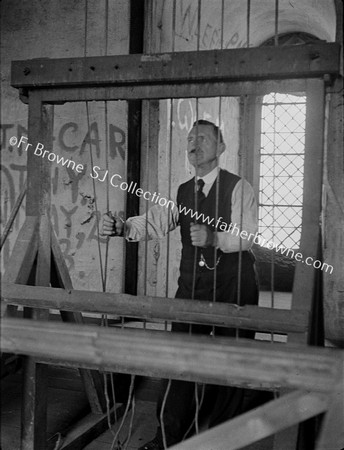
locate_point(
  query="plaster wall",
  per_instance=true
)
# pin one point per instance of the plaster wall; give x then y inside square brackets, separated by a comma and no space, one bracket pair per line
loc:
[46,28]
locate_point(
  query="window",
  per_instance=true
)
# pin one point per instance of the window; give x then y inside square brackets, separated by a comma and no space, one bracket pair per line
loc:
[281,168]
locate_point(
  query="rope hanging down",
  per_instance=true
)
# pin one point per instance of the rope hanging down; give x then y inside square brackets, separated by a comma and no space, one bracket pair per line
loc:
[103,271]
[162,423]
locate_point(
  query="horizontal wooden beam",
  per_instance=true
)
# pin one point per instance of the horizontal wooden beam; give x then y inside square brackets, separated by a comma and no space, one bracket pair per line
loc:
[212,360]
[302,61]
[180,90]
[147,307]
[259,423]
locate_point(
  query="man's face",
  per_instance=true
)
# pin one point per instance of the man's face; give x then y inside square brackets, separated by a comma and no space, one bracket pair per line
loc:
[202,147]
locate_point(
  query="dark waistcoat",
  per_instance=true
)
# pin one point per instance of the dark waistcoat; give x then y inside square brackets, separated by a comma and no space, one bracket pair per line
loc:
[186,198]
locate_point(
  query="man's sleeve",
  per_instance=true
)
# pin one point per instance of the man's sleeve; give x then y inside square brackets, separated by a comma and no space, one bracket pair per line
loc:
[154,224]
[244,220]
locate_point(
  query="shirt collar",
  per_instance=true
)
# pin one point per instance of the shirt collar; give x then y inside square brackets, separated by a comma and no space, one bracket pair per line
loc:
[210,177]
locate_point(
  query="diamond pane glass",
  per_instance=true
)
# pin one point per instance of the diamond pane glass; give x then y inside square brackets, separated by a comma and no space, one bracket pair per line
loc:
[281,168]
[274,143]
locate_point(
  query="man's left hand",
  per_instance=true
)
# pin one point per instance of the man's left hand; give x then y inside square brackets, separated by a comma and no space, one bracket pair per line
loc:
[201,236]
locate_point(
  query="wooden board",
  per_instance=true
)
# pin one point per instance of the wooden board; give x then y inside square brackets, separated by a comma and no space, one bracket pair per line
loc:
[89,428]
[34,410]
[302,61]
[304,280]
[179,356]
[304,286]
[332,430]
[259,423]
[147,307]
[24,253]
[13,215]
[180,90]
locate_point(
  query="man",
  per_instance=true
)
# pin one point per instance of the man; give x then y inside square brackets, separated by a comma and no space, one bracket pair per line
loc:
[233,202]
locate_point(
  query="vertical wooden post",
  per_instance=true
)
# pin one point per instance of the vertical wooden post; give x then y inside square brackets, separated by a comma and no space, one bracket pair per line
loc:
[134,145]
[305,275]
[34,410]
[251,113]
[333,244]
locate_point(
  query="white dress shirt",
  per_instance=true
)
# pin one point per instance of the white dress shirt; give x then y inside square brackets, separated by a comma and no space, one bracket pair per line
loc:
[160,220]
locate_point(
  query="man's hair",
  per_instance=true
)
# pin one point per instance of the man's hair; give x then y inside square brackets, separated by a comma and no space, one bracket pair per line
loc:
[216,129]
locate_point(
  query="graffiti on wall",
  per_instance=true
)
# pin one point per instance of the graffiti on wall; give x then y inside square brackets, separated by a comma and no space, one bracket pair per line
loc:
[116,139]
[78,205]
[210,35]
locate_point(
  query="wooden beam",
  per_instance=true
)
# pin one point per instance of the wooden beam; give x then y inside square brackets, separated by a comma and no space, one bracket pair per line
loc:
[13,215]
[304,279]
[38,179]
[302,61]
[35,390]
[148,307]
[62,271]
[92,379]
[178,356]
[44,252]
[132,207]
[305,275]
[332,430]
[181,90]
[89,428]
[251,114]
[34,405]
[24,253]
[259,423]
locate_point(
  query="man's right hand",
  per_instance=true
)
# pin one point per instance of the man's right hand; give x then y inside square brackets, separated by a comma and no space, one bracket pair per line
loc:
[111,226]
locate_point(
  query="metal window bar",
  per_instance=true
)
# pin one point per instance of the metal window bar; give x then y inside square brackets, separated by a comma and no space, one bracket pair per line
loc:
[171,112]
[218,157]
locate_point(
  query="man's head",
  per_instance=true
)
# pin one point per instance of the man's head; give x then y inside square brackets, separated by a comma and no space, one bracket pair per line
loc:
[205,145]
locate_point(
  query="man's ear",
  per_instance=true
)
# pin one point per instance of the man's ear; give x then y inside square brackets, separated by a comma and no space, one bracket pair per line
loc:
[222,148]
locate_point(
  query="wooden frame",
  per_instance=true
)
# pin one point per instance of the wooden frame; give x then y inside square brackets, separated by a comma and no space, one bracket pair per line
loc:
[244,64]
[217,73]
[146,307]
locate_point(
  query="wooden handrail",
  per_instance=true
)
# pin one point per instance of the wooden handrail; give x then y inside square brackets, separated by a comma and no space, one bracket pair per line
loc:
[204,359]
[148,307]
